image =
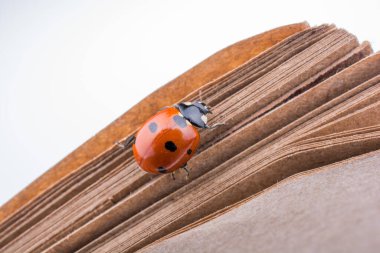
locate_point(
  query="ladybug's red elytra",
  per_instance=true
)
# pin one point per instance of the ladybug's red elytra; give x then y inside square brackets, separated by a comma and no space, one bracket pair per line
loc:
[168,139]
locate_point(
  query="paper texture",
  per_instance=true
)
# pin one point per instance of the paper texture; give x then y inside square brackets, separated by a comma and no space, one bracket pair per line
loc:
[333,209]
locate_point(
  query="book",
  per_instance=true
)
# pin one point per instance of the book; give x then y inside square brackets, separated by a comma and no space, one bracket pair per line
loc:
[302,100]
[311,211]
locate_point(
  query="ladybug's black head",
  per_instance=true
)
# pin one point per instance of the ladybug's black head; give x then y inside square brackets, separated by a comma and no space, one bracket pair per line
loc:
[194,112]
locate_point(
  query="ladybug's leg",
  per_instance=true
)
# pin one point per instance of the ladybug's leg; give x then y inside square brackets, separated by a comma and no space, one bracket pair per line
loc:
[173,177]
[130,140]
[163,108]
[187,171]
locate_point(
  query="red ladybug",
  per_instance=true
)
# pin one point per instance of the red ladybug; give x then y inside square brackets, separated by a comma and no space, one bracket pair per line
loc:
[169,139]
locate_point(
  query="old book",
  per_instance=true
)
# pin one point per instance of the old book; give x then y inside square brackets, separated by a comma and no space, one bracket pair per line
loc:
[292,103]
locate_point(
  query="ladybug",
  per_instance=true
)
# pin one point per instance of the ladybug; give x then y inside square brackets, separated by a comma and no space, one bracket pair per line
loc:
[168,139]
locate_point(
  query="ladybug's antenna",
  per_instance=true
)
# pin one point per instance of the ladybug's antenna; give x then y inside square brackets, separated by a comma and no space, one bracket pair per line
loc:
[215,125]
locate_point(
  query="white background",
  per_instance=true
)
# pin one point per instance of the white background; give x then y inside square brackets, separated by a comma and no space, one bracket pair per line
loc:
[68,68]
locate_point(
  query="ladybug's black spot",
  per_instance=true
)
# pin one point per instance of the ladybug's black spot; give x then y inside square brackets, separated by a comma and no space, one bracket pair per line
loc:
[180,121]
[153,127]
[169,145]
[162,170]
[189,151]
